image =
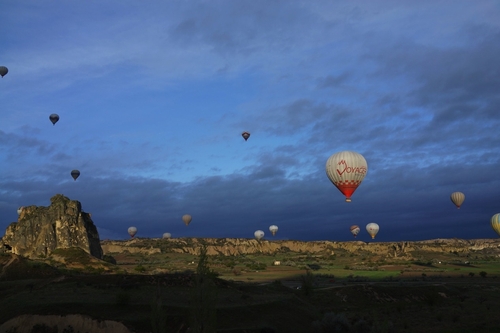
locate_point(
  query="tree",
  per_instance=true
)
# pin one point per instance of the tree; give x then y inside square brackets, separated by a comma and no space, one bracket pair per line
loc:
[307,284]
[204,297]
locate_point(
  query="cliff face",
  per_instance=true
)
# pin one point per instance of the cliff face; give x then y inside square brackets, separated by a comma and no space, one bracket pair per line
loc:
[40,230]
[237,246]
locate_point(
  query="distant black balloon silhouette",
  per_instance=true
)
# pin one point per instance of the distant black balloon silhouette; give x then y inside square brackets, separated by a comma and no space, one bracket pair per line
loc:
[54,118]
[75,174]
[3,71]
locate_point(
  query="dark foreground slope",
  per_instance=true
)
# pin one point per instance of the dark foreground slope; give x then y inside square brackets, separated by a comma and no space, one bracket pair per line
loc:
[361,291]
[452,306]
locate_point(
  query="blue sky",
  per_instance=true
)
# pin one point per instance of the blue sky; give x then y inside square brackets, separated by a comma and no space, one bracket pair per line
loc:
[153,97]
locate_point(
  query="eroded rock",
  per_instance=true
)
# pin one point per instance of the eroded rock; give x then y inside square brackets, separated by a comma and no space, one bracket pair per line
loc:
[78,323]
[40,230]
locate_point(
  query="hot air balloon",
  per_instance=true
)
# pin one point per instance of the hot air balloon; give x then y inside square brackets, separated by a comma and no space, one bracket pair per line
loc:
[75,174]
[354,230]
[495,223]
[187,219]
[3,71]
[132,231]
[54,118]
[245,135]
[19,210]
[167,235]
[372,229]
[273,229]
[457,198]
[346,170]
[258,234]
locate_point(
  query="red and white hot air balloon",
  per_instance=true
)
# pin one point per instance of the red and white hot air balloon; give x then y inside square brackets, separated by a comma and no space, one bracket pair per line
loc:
[346,170]
[132,231]
[457,198]
[354,230]
[372,229]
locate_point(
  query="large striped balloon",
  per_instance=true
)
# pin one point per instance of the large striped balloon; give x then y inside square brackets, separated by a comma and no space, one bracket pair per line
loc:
[495,223]
[457,198]
[346,170]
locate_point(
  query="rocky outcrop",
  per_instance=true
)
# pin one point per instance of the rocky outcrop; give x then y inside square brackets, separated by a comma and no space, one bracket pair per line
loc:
[69,323]
[40,230]
[239,246]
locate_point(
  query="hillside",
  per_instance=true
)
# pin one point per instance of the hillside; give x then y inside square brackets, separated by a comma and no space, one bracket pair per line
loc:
[286,286]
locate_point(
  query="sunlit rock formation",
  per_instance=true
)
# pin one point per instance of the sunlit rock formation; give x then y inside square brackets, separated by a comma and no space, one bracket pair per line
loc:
[40,230]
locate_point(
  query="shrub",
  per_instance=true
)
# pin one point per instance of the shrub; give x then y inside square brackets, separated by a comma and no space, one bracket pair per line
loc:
[110,259]
[432,299]
[256,266]
[332,322]
[314,267]
[42,328]
[483,274]
[361,326]
[140,269]
[122,299]
[68,329]
[277,283]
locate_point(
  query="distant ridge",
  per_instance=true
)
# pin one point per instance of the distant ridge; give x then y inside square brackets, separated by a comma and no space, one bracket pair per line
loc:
[242,246]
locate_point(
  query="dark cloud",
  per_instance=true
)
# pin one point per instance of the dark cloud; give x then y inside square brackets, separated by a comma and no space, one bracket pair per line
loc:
[332,81]
[407,202]
[245,28]
[18,146]
[455,84]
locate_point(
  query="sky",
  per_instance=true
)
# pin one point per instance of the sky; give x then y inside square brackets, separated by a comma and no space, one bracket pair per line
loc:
[153,97]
